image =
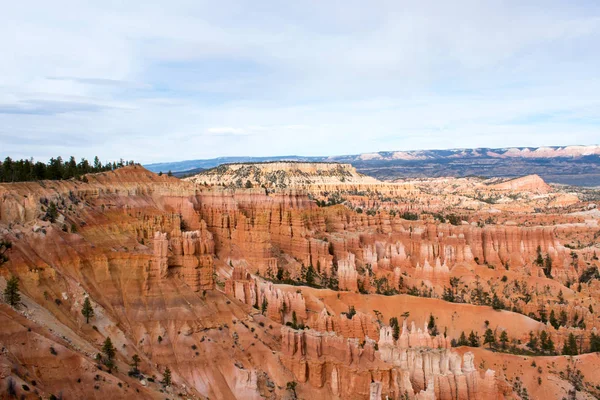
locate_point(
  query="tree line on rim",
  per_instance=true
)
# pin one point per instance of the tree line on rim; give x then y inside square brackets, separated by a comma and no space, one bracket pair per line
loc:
[55,169]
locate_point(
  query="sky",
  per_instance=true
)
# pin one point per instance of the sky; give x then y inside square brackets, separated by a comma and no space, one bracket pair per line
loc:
[157,81]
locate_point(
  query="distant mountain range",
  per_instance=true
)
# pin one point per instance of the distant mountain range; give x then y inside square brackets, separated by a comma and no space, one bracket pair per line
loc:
[572,165]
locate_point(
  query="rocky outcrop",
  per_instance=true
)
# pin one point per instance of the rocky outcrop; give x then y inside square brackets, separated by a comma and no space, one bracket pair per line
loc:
[529,183]
[284,175]
[188,255]
[422,373]
[149,251]
[347,274]
[407,339]
[438,275]
[280,305]
[360,325]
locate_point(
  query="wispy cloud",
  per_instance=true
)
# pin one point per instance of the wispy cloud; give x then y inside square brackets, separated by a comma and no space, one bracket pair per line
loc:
[196,79]
[227,131]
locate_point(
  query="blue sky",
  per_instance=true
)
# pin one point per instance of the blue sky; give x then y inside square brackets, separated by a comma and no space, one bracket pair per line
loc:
[171,80]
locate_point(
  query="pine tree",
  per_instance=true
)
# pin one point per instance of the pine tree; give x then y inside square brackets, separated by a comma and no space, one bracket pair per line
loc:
[543,314]
[533,341]
[167,377]
[51,213]
[108,349]
[87,310]
[497,304]
[395,327]
[135,362]
[539,259]
[264,305]
[504,339]
[473,339]
[573,344]
[489,337]
[548,266]
[294,320]
[545,341]
[11,293]
[431,326]
[562,318]
[462,340]
[594,343]
[4,247]
[553,320]
[570,346]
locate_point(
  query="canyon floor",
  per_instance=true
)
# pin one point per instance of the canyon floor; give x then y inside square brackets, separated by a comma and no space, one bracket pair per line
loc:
[299,281]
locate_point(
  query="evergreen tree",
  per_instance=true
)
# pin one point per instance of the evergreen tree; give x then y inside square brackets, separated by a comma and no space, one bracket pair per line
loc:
[264,305]
[543,315]
[97,164]
[51,213]
[108,349]
[545,342]
[310,275]
[473,339]
[395,327]
[561,298]
[553,320]
[462,340]
[503,339]
[497,304]
[594,343]
[5,245]
[294,320]
[573,344]
[539,259]
[11,292]
[167,377]
[489,337]
[87,310]
[55,169]
[562,318]
[135,362]
[570,346]
[431,326]
[533,342]
[548,266]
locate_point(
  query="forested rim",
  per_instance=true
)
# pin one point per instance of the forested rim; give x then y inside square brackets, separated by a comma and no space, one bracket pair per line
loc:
[55,169]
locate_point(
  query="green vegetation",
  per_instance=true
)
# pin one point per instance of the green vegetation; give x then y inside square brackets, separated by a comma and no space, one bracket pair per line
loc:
[135,362]
[167,377]
[5,245]
[264,305]
[431,326]
[409,216]
[473,339]
[87,310]
[395,327]
[570,346]
[489,337]
[109,352]
[55,169]
[11,292]
[351,312]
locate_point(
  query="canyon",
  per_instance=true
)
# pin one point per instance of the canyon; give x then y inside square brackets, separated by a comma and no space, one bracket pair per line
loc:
[300,280]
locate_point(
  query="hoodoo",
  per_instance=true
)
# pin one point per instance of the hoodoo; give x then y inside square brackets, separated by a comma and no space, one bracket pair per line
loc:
[311,280]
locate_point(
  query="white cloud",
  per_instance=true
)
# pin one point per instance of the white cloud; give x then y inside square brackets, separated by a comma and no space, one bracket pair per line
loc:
[226,131]
[191,79]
